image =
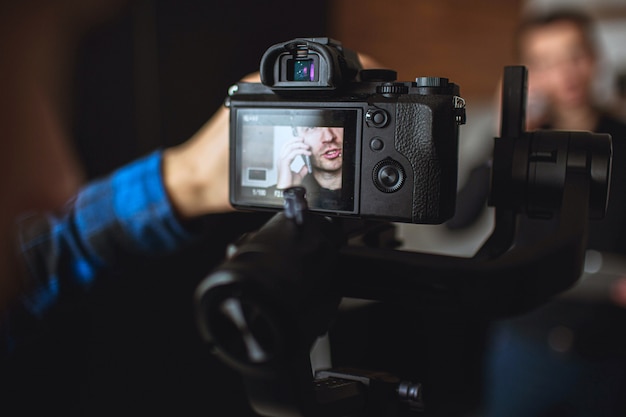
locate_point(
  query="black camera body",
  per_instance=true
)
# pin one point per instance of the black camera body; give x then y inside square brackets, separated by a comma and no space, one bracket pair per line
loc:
[263,309]
[360,142]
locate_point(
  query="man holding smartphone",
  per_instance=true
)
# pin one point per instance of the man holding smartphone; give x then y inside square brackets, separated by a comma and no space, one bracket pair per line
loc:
[321,148]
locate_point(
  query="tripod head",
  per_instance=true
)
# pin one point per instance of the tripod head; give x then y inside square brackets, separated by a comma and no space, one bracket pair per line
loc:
[262,309]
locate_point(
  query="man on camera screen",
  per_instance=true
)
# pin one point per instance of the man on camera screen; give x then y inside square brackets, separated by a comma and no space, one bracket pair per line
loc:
[321,150]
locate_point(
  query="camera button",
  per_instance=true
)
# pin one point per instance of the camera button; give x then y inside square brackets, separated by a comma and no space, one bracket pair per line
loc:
[376,118]
[376,144]
[388,175]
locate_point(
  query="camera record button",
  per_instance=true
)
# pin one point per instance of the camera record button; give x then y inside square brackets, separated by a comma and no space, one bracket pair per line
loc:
[388,175]
[376,118]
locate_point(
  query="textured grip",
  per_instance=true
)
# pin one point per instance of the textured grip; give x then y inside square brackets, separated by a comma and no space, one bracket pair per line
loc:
[413,139]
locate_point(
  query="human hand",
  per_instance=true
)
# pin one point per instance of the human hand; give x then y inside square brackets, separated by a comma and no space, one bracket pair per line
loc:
[195,173]
[290,151]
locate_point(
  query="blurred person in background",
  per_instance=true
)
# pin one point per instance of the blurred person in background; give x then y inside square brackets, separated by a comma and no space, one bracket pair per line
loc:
[567,358]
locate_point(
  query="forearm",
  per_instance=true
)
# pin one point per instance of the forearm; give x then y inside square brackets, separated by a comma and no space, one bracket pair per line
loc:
[119,218]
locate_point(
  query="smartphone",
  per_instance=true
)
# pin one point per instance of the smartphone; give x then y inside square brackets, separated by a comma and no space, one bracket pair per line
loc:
[307,162]
[298,163]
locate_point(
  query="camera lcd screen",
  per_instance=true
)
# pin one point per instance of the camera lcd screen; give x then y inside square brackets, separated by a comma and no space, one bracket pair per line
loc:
[280,148]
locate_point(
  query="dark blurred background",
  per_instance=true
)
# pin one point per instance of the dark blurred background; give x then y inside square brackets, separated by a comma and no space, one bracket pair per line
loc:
[147,77]
[150,76]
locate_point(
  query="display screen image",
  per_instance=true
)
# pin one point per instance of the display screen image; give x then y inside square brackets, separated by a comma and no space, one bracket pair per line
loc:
[280,148]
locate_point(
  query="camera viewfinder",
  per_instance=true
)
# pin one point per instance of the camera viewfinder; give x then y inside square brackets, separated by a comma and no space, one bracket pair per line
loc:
[301,70]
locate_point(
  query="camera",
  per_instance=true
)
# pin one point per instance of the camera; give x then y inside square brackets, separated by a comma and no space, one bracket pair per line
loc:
[361,143]
[263,310]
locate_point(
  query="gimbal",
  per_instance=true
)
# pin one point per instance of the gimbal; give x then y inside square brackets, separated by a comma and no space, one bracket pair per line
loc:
[266,305]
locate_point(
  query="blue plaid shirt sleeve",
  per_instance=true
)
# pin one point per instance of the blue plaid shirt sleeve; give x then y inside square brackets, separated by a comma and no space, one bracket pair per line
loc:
[123,215]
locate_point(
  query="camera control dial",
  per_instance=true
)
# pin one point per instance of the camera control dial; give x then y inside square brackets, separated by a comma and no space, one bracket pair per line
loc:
[388,175]
[431,82]
[392,89]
